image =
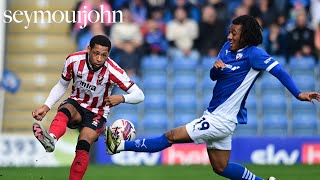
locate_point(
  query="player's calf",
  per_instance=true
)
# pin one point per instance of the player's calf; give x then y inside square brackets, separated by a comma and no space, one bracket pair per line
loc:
[80,163]
[43,137]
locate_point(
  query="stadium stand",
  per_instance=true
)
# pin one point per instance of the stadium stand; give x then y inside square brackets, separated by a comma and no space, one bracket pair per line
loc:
[36,55]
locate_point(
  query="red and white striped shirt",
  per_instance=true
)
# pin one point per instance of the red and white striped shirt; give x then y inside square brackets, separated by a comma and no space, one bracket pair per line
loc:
[90,88]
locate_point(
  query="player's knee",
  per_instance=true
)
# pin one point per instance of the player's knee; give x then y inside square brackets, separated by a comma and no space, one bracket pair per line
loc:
[83,145]
[66,112]
[69,107]
[218,168]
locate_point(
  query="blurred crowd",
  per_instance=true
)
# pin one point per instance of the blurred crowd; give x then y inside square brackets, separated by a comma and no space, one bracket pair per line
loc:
[198,28]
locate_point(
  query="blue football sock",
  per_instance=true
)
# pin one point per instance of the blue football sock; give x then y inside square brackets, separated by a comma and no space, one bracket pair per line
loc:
[238,172]
[147,145]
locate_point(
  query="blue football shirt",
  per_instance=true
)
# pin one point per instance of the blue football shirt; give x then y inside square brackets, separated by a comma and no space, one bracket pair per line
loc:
[236,79]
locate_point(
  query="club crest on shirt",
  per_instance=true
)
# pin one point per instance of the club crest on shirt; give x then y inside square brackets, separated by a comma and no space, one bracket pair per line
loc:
[100,79]
[239,56]
[79,74]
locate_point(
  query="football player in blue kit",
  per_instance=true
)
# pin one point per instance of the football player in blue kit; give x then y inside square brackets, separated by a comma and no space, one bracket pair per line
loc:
[235,70]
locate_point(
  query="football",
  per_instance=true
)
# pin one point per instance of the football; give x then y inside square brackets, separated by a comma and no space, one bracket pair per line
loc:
[124,129]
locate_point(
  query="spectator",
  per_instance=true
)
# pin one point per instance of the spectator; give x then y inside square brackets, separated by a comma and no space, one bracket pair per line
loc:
[153,32]
[276,40]
[127,40]
[157,3]
[212,32]
[239,11]
[281,7]
[192,11]
[119,4]
[295,6]
[266,12]
[301,37]
[315,13]
[87,6]
[252,7]
[139,11]
[181,33]
[317,40]
[221,8]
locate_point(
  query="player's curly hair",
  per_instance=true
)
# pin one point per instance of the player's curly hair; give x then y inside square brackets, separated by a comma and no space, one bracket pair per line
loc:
[251,31]
[101,40]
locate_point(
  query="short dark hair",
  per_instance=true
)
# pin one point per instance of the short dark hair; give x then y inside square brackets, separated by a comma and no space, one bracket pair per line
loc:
[251,31]
[101,40]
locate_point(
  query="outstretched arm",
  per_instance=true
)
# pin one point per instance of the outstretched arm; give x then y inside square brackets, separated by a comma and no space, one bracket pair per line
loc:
[287,81]
[55,95]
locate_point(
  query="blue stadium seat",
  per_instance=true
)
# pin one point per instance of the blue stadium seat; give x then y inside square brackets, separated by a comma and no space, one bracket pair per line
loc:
[207,83]
[207,63]
[185,102]
[304,123]
[304,82]
[271,85]
[274,103]
[154,62]
[207,89]
[182,118]
[303,63]
[249,129]
[152,72]
[155,101]
[302,66]
[124,107]
[206,98]
[185,82]
[184,64]
[300,106]
[275,124]
[154,92]
[155,82]
[251,102]
[155,123]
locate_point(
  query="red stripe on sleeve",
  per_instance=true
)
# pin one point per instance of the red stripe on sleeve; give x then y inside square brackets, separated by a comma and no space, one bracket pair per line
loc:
[69,73]
[120,83]
[117,68]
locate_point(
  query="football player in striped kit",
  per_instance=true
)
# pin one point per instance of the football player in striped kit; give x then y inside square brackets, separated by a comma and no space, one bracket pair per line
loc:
[93,75]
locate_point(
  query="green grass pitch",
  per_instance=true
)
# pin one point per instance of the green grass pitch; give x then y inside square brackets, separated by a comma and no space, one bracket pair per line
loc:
[296,172]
